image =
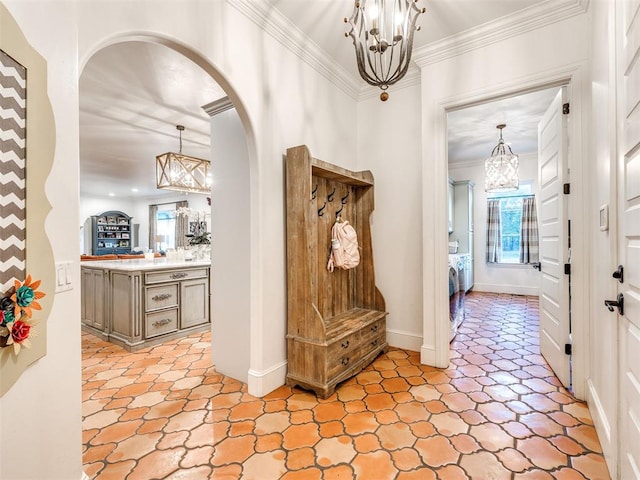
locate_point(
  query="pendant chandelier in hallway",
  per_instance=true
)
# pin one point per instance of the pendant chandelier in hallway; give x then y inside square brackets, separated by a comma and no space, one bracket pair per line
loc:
[382,33]
[182,173]
[501,168]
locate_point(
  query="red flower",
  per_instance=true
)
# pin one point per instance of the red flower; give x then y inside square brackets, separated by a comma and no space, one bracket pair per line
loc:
[20,331]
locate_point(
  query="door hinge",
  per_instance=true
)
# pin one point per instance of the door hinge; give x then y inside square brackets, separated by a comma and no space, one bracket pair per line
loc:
[567,349]
[567,269]
[566,109]
[566,188]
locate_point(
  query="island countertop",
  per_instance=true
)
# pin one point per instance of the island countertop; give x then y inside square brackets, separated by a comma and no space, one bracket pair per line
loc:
[142,264]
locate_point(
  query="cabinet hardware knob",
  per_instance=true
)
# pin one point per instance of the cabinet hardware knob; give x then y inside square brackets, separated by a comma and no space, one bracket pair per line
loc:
[345,360]
[179,275]
[164,321]
[345,344]
[163,296]
[374,328]
[374,343]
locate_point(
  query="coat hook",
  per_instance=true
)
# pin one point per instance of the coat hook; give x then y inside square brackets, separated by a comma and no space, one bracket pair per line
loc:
[314,192]
[320,210]
[339,211]
[330,196]
[343,200]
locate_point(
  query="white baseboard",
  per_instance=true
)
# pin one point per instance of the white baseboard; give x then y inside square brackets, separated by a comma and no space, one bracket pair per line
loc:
[512,289]
[84,476]
[261,383]
[404,340]
[603,428]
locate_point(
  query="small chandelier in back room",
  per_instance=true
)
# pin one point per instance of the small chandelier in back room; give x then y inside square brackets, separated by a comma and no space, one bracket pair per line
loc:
[382,33]
[175,171]
[501,168]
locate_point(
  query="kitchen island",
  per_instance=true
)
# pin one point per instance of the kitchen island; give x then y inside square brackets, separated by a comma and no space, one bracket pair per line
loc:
[138,302]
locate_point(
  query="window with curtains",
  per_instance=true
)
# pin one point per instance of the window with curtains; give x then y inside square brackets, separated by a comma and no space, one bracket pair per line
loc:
[166,228]
[512,226]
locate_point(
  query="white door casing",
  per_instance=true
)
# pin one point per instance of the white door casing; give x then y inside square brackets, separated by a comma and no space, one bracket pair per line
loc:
[554,251]
[628,186]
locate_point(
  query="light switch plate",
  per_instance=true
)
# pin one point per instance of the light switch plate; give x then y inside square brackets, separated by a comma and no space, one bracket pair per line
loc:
[64,276]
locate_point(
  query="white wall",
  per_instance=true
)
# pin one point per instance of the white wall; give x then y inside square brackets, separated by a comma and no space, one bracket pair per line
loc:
[282,102]
[389,146]
[603,348]
[498,278]
[532,59]
[230,274]
[41,414]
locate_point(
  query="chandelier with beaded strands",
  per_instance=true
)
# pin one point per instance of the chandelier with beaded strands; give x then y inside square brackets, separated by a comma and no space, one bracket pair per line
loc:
[501,168]
[382,33]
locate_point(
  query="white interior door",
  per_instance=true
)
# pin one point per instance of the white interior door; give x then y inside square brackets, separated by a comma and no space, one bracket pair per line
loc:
[553,229]
[628,80]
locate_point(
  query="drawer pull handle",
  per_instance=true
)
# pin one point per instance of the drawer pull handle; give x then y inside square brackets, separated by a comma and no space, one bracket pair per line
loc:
[179,275]
[374,343]
[159,323]
[345,360]
[374,328]
[161,297]
[345,344]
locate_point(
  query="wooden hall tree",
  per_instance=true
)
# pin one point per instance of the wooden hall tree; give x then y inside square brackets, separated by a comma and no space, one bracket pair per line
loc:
[335,320]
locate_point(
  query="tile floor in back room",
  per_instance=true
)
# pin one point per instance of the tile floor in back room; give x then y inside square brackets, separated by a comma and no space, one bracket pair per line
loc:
[497,412]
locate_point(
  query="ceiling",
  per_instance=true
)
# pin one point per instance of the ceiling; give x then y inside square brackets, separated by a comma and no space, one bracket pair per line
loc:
[132,95]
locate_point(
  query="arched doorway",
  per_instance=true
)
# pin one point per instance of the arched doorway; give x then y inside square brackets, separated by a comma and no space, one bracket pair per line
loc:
[158,118]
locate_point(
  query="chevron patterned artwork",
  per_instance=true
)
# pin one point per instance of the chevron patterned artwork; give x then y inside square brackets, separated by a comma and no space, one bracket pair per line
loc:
[13,80]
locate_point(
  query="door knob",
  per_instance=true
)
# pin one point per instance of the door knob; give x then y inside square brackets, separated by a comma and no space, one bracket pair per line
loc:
[618,303]
[619,274]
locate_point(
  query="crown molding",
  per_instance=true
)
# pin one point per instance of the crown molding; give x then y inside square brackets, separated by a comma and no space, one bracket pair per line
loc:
[269,19]
[517,23]
[218,106]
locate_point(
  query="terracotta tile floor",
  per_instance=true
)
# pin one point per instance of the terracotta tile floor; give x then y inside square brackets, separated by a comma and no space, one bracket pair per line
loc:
[496,413]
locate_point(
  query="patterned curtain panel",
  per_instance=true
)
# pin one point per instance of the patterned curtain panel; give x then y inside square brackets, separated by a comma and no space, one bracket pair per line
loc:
[494,232]
[12,171]
[529,246]
[153,218]
[182,225]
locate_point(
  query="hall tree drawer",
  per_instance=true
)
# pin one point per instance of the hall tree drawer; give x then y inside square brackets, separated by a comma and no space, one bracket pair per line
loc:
[175,275]
[162,296]
[342,362]
[373,330]
[161,322]
[371,343]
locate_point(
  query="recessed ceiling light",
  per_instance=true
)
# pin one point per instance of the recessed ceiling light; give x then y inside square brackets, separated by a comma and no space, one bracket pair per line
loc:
[111,194]
[134,190]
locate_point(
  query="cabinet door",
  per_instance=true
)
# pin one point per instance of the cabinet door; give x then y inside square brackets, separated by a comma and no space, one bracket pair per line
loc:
[93,294]
[194,302]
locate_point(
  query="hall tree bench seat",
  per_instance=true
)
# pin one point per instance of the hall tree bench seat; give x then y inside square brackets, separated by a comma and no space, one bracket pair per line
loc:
[138,303]
[336,321]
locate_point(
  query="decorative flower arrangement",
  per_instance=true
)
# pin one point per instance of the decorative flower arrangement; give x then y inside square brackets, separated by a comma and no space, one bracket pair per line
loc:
[16,324]
[198,234]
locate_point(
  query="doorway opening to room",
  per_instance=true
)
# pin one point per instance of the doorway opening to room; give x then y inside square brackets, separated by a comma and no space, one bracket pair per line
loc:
[499,240]
[159,309]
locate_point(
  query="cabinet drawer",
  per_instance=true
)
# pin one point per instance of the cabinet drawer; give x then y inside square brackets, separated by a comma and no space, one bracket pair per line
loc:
[342,354]
[173,275]
[161,322]
[372,342]
[373,330]
[162,296]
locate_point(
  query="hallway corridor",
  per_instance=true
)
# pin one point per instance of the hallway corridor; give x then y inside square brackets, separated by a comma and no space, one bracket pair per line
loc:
[496,413]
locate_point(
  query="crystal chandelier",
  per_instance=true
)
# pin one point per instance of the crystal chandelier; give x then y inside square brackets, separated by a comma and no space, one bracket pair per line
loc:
[382,33]
[501,168]
[175,171]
